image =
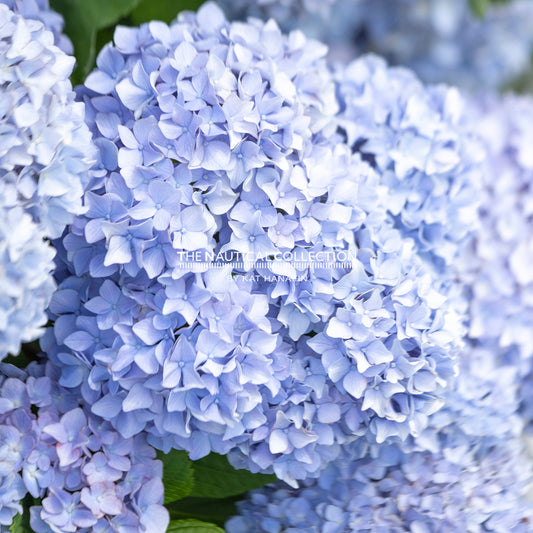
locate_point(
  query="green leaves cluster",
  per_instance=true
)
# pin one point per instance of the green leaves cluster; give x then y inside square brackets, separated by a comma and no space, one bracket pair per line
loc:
[480,6]
[21,522]
[201,495]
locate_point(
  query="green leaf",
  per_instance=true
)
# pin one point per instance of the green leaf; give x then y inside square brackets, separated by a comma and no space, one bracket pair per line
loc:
[178,477]
[192,526]
[19,526]
[165,10]
[213,510]
[214,477]
[21,522]
[83,19]
[480,6]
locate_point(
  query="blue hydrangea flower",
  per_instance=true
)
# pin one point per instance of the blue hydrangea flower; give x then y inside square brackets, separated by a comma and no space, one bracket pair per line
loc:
[441,40]
[495,267]
[444,41]
[46,147]
[26,263]
[467,472]
[87,476]
[40,10]
[45,154]
[423,146]
[212,143]
[290,14]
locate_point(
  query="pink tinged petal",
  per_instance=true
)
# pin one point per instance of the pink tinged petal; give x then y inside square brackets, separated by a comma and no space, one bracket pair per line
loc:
[67,454]
[112,505]
[57,431]
[53,504]
[91,502]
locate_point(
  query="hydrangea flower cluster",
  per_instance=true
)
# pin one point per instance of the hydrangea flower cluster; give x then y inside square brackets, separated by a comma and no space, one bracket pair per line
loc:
[321,273]
[444,41]
[44,160]
[213,142]
[291,14]
[41,10]
[423,146]
[46,147]
[469,475]
[88,477]
[496,267]
[277,9]
[26,283]
[441,40]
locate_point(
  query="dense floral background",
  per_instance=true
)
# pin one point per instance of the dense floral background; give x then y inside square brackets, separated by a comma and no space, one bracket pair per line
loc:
[266,266]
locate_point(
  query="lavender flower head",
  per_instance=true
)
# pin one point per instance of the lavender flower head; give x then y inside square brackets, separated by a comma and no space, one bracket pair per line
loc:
[441,40]
[26,263]
[467,472]
[46,147]
[40,10]
[289,14]
[86,475]
[444,41]
[212,142]
[496,267]
[44,160]
[424,148]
